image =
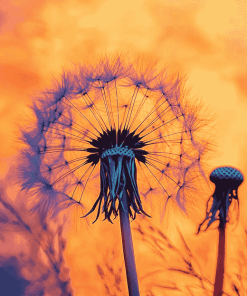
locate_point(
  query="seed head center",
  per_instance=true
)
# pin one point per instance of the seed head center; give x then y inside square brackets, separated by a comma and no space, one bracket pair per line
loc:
[118,150]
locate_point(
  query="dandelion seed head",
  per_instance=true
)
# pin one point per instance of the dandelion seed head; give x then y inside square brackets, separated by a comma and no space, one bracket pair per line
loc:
[111,128]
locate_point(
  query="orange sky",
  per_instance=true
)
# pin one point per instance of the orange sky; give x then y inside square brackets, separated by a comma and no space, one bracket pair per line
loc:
[205,40]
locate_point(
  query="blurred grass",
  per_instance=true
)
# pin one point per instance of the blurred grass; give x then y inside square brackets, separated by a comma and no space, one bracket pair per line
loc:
[32,256]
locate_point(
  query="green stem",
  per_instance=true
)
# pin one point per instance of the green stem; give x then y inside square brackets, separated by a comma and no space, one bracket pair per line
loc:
[220,269]
[128,250]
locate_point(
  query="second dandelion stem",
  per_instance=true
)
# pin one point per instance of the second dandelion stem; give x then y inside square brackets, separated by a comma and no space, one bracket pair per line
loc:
[128,249]
[220,269]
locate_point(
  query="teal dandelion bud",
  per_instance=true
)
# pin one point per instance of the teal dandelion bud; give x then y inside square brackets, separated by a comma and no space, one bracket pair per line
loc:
[227,180]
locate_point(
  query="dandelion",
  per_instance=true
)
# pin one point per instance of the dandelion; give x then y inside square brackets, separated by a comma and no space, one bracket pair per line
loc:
[226,180]
[117,128]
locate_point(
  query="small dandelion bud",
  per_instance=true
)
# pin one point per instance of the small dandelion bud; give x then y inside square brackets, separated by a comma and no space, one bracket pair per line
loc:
[227,180]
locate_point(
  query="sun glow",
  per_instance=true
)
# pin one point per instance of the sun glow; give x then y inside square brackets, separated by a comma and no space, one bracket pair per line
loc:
[205,40]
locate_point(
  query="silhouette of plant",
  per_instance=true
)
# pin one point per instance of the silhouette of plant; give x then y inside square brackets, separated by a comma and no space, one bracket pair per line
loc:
[226,180]
[117,128]
[36,266]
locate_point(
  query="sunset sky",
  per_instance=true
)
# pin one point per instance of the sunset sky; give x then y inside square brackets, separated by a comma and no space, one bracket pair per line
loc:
[202,39]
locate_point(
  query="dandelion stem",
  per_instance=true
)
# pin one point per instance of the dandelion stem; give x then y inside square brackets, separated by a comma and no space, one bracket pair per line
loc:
[128,249]
[220,269]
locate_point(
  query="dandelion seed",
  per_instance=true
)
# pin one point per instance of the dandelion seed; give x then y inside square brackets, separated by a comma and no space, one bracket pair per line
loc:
[113,127]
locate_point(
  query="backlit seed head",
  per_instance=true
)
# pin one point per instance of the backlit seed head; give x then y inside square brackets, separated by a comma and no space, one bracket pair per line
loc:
[111,128]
